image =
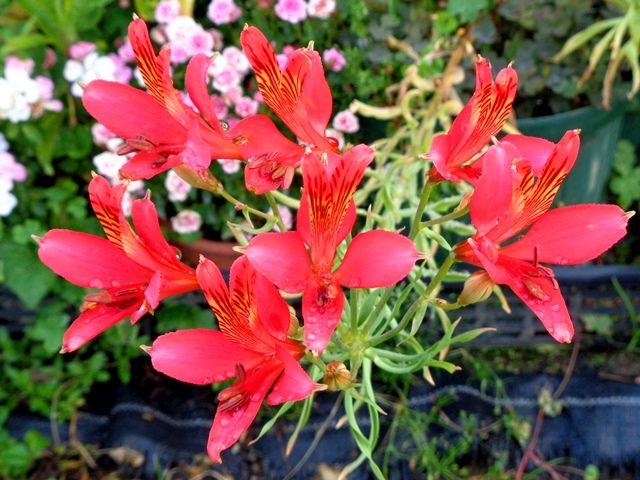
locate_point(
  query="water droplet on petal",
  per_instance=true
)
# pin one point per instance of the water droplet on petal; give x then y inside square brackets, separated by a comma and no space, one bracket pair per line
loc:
[555,307]
[96,283]
[218,378]
[311,336]
[255,397]
[224,422]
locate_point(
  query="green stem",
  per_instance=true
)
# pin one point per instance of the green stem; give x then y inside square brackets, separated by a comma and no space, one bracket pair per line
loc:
[408,316]
[285,200]
[437,280]
[276,212]
[424,198]
[445,218]
[353,303]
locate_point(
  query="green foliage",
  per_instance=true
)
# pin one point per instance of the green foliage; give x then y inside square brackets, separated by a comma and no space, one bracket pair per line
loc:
[625,178]
[17,457]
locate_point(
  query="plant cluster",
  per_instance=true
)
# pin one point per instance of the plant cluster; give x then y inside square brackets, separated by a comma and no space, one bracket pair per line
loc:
[345,339]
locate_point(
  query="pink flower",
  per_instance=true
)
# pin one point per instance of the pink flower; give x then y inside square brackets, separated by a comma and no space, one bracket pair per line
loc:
[225,78]
[14,63]
[125,51]
[187,221]
[10,170]
[334,60]
[232,95]
[223,11]
[122,73]
[109,163]
[178,189]
[237,59]
[167,10]
[229,166]
[321,8]
[219,107]
[346,122]
[200,42]
[101,134]
[292,11]
[246,106]
[79,50]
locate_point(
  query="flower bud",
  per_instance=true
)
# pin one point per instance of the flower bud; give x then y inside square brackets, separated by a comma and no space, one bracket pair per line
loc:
[337,376]
[477,288]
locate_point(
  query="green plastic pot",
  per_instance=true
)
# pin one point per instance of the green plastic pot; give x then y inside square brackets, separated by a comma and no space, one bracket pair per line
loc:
[600,133]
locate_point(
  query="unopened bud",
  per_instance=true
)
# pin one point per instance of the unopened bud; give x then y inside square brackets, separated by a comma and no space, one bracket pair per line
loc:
[337,376]
[477,288]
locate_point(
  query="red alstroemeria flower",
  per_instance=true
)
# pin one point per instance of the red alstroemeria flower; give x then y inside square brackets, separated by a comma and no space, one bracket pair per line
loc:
[481,118]
[515,193]
[303,260]
[165,132]
[252,346]
[133,272]
[299,95]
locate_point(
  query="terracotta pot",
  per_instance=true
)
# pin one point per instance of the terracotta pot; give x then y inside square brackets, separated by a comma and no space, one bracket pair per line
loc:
[219,252]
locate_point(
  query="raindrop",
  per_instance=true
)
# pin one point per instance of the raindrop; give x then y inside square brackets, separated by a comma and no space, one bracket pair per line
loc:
[276,398]
[255,397]
[311,336]
[230,374]
[224,422]
[96,283]
[218,378]
[207,380]
[555,307]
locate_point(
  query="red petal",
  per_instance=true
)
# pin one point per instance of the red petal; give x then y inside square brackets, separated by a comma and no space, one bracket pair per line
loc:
[131,113]
[149,163]
[571,235]
[282,258]
[482,117]
[534,151]
[156,72]
[322,307]
[153,245]
[494,189]
[537,288]
[304,228]
[107,205]
[89,261]
[231,422]
[294,384]
[300,95]
[376,259]
[272,309]
[329,191]
[196,81]
[92,322]
[200,356]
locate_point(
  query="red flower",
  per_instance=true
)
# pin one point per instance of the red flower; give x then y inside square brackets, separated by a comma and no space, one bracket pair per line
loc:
[165,132]
[299,95]
[303,260]
[481,118]
[252,346]
[133,272]
[511,197]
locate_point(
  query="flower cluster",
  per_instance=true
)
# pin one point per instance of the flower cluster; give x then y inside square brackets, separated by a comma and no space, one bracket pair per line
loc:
[10,172]
[23,97]
[85,65]
[259,341]
[295,11]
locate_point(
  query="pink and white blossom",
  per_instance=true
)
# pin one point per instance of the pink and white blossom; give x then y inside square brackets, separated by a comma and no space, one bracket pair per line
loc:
[187,221]
[346,121]
[166,11]
[334,60]
[292,11]
[223,11]
[246,106]
[229,165]
[177,188]
[321,8]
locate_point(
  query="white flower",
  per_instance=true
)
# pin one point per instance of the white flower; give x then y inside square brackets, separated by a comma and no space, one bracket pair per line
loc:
[321,8]
[223,11]
[187,221]
[8,202]
[229,165]
[178,189]
[109,164]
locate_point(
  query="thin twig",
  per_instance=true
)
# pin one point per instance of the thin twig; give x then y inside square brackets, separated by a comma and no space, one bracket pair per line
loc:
[316,439]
